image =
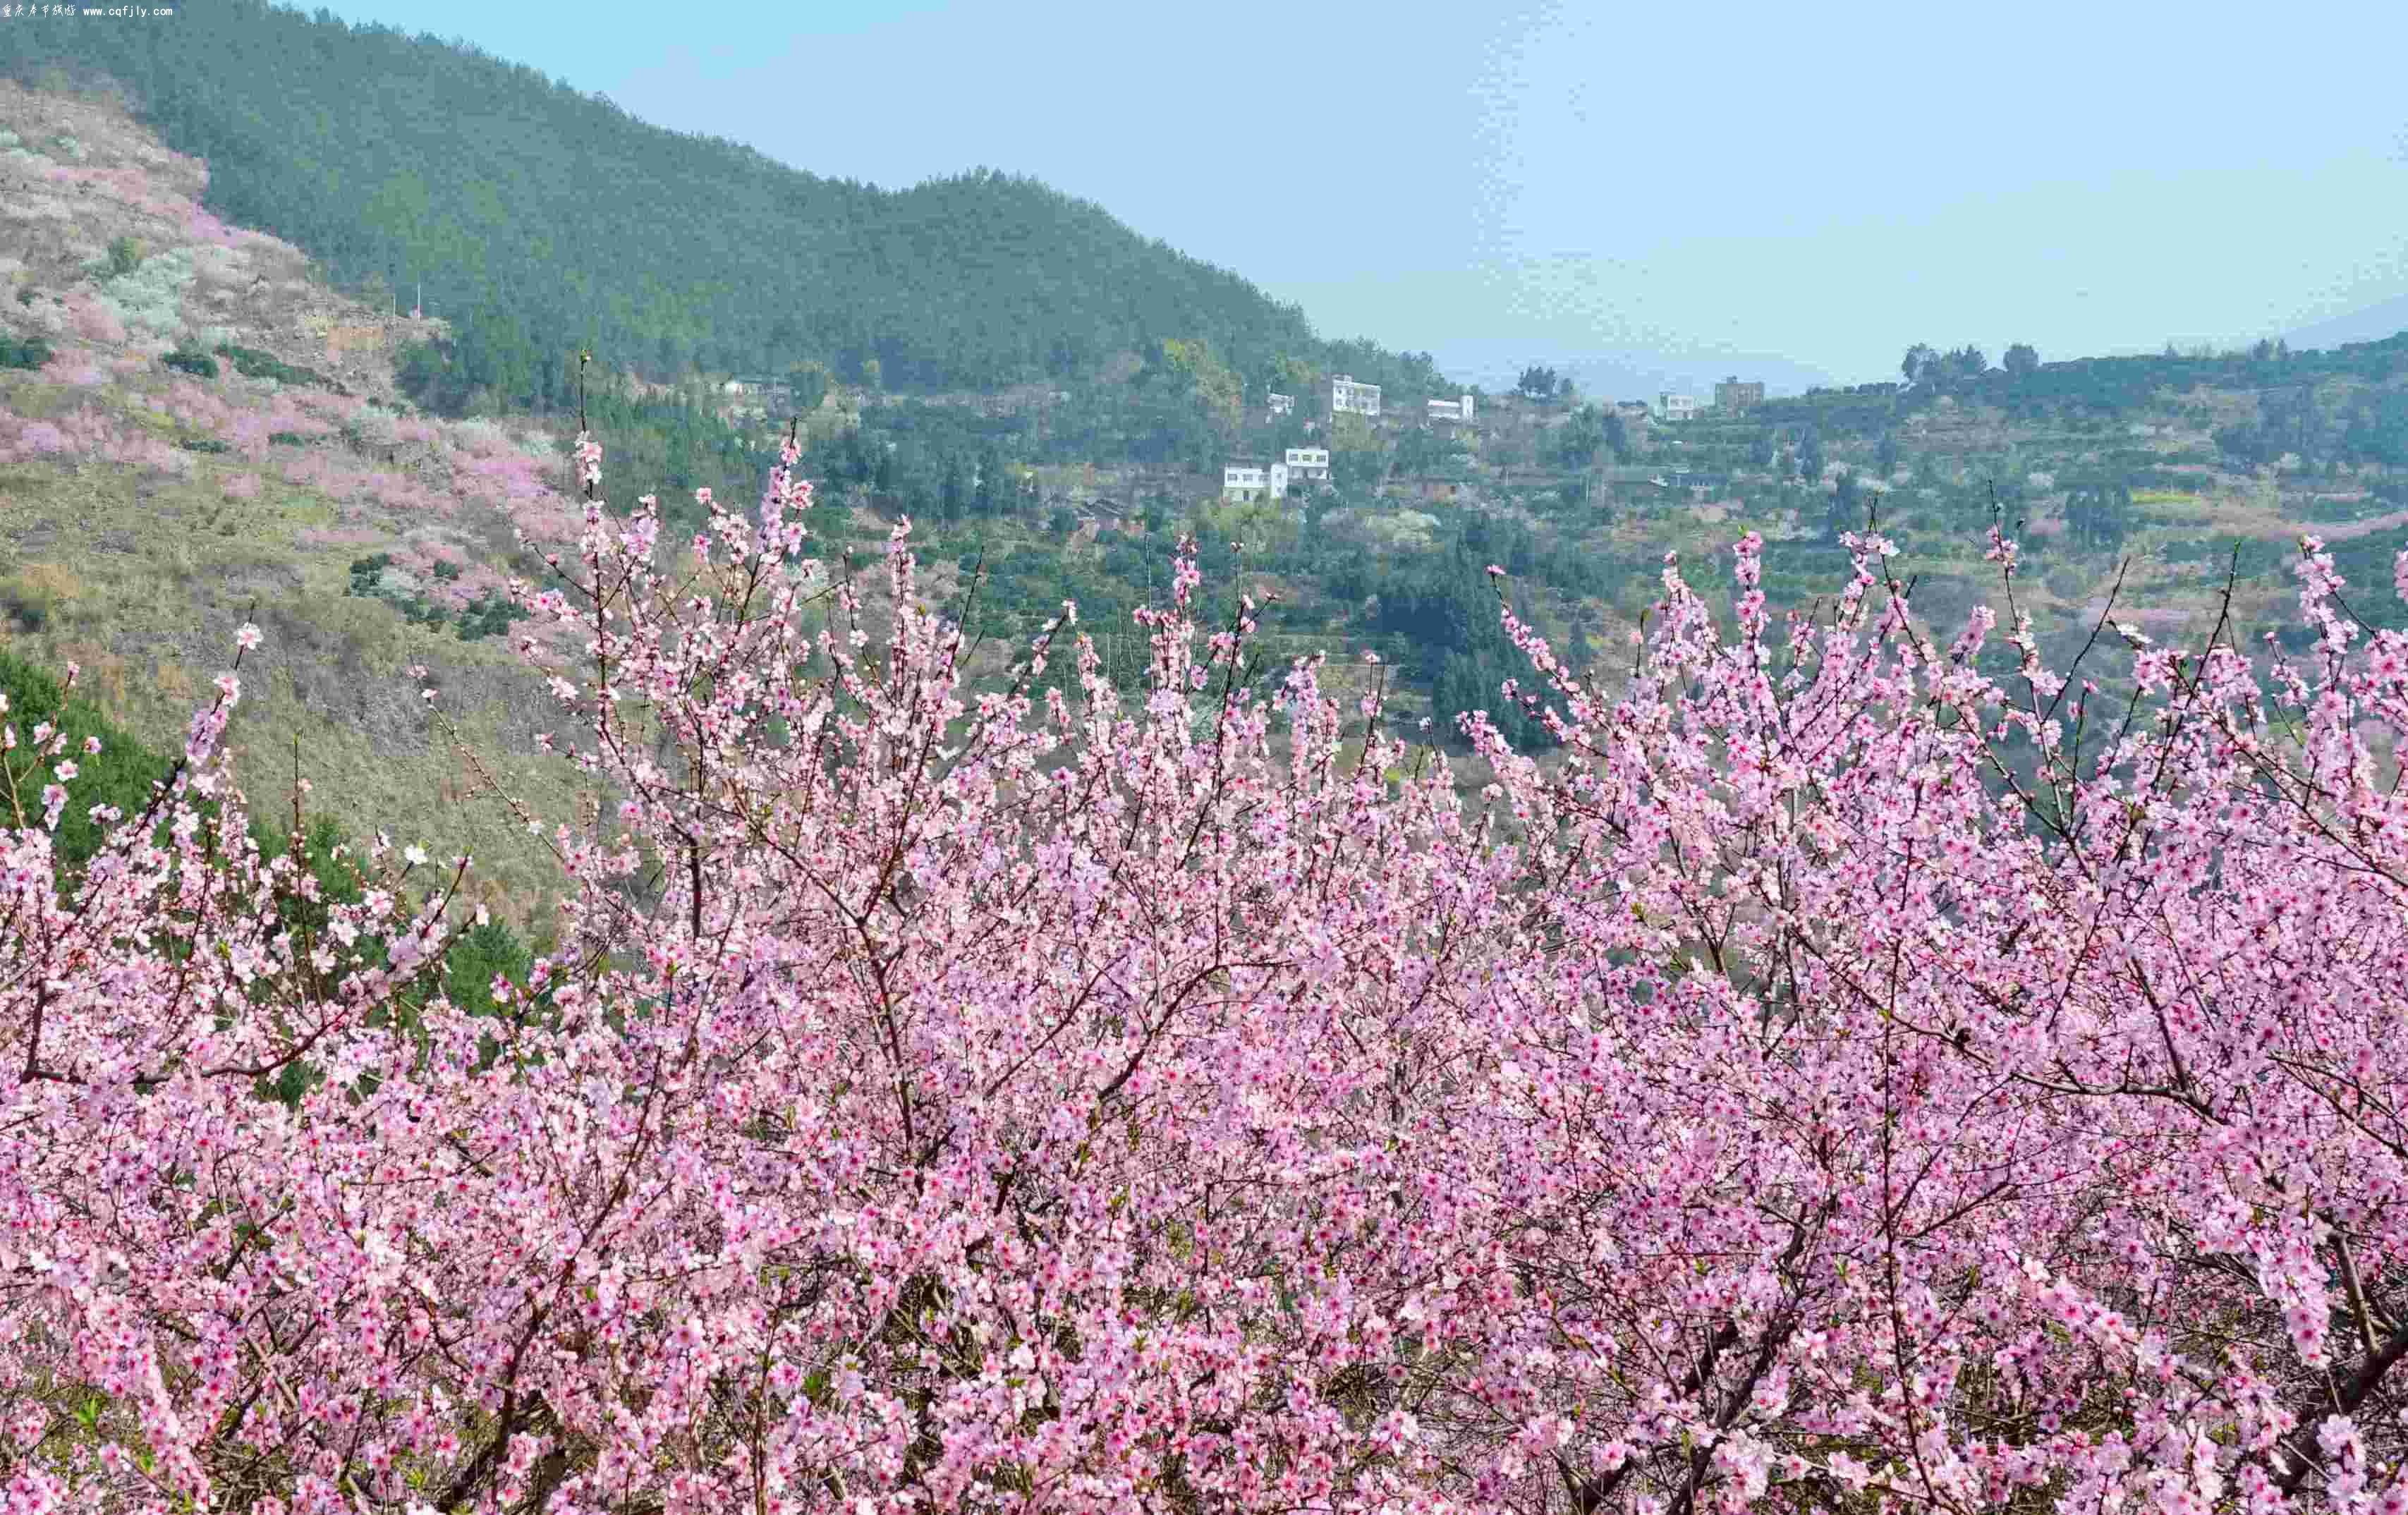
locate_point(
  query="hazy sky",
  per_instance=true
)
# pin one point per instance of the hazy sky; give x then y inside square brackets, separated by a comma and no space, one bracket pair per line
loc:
[1827,183]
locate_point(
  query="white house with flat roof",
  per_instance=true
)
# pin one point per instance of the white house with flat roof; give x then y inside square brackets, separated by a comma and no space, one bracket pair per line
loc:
[1455,409]
[1282,405]
[1249,482]
[1671,407]
[1308,464]
[1347,397]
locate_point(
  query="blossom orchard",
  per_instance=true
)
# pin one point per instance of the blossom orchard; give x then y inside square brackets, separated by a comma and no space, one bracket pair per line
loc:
[1836,1078]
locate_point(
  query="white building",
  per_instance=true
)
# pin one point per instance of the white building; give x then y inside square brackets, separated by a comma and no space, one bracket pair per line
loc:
[1671,407]
[1282,405]
[1247,481]
[1346,396]
[1308,464]
[1455,409]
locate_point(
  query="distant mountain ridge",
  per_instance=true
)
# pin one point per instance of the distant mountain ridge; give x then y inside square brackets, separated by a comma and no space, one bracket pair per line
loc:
[542,220]
[2370,324]
[1623,374]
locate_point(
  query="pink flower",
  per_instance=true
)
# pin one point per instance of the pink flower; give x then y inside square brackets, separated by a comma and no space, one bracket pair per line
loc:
[1812,1068]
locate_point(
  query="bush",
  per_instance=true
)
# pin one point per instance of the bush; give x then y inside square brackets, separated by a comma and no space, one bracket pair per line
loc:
[24,351]
[200,365]
[489,615]
[125,254]
[152,295]
[26,608]
[369,573]
[252,364]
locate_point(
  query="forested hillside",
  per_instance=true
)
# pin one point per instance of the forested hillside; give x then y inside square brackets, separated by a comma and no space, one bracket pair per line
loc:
[542,220]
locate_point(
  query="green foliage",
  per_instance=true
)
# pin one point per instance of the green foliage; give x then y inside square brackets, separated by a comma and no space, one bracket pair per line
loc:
[1579,440]
[2366,564]
[252,364]
[121,775]
[807,386]
[1443,605]
[200,365]
[1538,382]
[465,975]
[375,577]
[368,572]
[489,615]
[205,444]
[125,254]
[481,953]
[2098,516]
[24,351]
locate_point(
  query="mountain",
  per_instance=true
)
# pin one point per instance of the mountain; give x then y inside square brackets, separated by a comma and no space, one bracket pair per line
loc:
[1622,374]
[541,221]
[195,431]
[2371,323]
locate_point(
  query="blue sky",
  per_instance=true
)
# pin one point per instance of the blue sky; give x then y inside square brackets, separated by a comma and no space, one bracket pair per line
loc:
[1823,184]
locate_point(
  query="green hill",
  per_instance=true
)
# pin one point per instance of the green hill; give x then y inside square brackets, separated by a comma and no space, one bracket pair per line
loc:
[542,220]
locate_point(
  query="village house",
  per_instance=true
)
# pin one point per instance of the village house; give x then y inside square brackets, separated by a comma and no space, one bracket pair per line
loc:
[1671,407]
[1426,488]
[1282,405]
[1455,409]
[756,394]
[1734,398]
[1347,397]
[1249,482]
[1308,464]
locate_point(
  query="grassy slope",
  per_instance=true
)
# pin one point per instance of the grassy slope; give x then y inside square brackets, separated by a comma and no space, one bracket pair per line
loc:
[125,552]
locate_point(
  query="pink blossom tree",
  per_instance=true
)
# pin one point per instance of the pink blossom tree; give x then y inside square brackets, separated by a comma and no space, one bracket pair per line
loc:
[1841,1081]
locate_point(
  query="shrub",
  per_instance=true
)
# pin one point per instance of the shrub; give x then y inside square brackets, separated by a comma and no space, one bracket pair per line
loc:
[23,352]
[489,615]
[151,296]
[200,365]
[27,606]
[254,364]
[368,574]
